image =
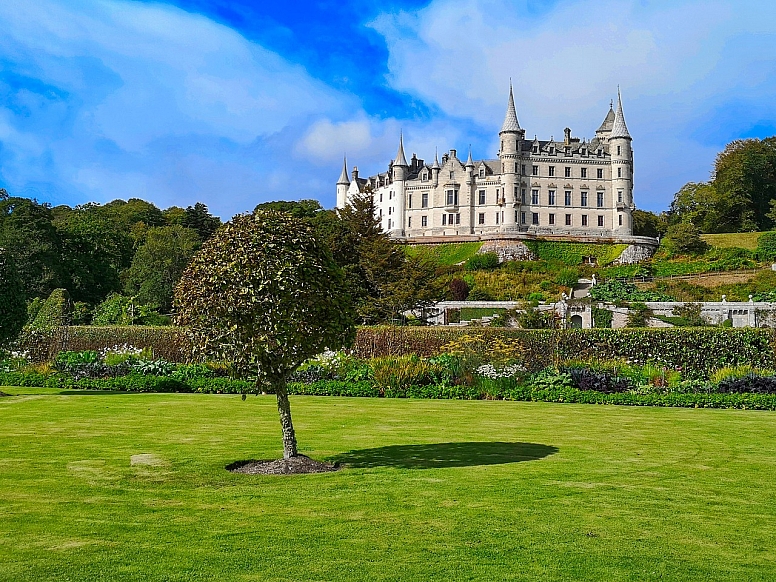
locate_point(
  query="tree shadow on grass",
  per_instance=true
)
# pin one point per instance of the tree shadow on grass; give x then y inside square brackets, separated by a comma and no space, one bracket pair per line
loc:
[442,455]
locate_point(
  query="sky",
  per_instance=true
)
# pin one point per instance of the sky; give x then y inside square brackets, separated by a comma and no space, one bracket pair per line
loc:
[238,102]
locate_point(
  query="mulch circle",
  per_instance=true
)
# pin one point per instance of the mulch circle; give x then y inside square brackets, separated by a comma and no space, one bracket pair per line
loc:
[294,466]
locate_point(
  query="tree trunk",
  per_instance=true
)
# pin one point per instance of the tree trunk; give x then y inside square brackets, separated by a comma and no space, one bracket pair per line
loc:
[284,410]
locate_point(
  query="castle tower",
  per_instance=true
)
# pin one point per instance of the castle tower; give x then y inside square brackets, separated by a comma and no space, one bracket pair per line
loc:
[400,171]
[435,169]
[622,172]
[511,135]
[342,185]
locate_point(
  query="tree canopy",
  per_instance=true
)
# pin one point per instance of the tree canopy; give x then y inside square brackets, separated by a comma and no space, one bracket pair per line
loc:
[13,308]
[265,294]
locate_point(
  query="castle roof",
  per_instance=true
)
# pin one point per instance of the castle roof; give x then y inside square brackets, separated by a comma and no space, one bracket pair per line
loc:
[608,122]
[400,160]
[510,120]
[619,129]
[343,179]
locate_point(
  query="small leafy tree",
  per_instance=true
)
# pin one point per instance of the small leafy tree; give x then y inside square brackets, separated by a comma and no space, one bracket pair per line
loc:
[685,238]
[265,294]
[459,289]
[13,307]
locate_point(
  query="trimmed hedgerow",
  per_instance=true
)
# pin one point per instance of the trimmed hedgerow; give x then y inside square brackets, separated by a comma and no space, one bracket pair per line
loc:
[168,343]
[573,253]
[696,351]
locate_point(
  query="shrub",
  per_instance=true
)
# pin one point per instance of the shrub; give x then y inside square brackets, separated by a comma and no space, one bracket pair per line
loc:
[684,238]
[567,277]
[614,291]
[479,294]
[766,246]
[602,318]
[587,379]
[459,290]
[482,261]
[13,308]
[53,313]
[638,315]
[690,313]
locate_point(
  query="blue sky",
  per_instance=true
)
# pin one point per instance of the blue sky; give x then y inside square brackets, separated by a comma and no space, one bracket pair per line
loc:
[237,102]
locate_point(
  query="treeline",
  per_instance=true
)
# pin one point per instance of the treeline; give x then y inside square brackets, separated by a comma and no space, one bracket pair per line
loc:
[739,197]
[119,262]
[122,252]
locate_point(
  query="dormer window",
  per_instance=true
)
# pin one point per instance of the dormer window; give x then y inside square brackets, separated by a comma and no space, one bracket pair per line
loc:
[424,177]
[536,149]
[482,172]
[452,175]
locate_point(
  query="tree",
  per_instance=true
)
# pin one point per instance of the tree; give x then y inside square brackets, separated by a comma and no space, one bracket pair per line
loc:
[745,176]
[647,223]
[13,307]
[265,294]
[198,218]
[159,263]
[459,289]
[27,233]
[296,208]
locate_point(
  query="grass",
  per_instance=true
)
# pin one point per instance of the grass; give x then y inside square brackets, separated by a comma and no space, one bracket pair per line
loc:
[447,254]
[742,240]
[435,490]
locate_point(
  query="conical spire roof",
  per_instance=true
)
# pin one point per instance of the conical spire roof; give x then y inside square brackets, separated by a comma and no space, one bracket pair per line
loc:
[510,121]
[436,161]
[619,129]
[400,160]
[469,161]
[608,122]
[343,179]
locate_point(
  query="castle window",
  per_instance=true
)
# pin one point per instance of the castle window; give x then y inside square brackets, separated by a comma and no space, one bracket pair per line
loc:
[452,175]
[522,218]
[551,198]
[515,194]
[424,221]
[389,210]
[534,197]
[380,213]
[389,224]
[552,151]
[454,219]
[535,218]
[619,195]
[619,172]
[409,222]
[567,197]
[522,168]
[618,150]
[482,197]
[444,220]
[583,152]
[599,152]
[534,170]
[599,199]
[550,170]
[452,197]
[568,220]
[551,218]
[516,213]
[522,195]
[620,217]
[600,221]
[600,173]
[424,200]
[583,199]
[536,149]
[381,196]
[481,218]
[424,177]
[584,172]
[482,172]
[568,172]
[496,217]
[409,201]
[515,167]
[584,220]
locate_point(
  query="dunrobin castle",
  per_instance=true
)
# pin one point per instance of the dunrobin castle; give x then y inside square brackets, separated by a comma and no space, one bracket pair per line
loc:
[571,188]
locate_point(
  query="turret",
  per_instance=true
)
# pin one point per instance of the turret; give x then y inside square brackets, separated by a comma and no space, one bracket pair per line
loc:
[435,168]
[342,185]
[511,135]
[622,172]
[400,170]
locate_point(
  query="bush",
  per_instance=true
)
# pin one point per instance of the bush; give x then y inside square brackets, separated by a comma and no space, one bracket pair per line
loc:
[587,379]
[613,291]
[638,315]
[684,238]
[602,318]
[13,308]
[482,261]
[53,313]
[459,290]
[766,246]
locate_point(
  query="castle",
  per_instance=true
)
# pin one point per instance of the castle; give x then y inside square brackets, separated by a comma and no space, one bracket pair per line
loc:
[572,188]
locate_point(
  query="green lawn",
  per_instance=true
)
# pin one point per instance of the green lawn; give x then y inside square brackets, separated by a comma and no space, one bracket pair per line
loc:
[436,490]
[743,240]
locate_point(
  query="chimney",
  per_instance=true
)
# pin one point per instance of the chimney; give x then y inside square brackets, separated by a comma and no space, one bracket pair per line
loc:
[567,136]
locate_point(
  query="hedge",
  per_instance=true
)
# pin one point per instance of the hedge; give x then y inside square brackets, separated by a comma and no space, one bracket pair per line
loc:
[697,351]
[168,343]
